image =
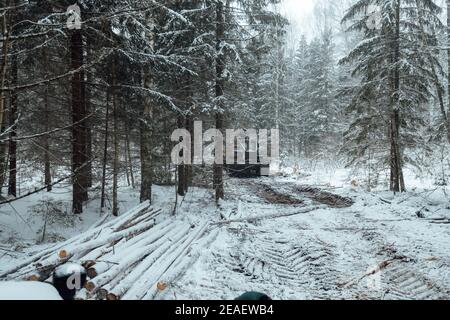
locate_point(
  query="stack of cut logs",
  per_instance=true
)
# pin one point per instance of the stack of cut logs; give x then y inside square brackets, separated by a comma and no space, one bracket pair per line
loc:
[131,257]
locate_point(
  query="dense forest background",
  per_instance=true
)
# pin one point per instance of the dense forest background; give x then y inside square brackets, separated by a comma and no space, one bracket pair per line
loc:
[94,105]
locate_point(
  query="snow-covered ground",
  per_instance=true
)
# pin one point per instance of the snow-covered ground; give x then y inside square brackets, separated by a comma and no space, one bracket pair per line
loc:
[321,254]
[315,236]
[30,291]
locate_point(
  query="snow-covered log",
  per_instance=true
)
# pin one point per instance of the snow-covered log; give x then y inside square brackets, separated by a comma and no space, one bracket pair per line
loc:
[94,233]
[124,258]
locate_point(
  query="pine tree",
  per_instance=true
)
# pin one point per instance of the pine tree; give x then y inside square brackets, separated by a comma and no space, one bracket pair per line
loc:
[396,78]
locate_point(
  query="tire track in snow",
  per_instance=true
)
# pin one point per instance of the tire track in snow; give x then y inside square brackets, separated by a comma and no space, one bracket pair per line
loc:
[305,267]
[287,258]
[400,281]
[406,283]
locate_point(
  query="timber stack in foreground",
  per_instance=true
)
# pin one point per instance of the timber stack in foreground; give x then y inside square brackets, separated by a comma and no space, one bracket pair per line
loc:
[132,257]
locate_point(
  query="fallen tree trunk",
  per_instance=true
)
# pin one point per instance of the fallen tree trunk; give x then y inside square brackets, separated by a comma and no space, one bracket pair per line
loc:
[180,266]
[48,256]
[270,216]
[380,267]
[124,257]
[130,280]
[151,276]
[134,257]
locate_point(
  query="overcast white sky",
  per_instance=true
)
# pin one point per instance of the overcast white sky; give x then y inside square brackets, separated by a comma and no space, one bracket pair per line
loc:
[298,10]
[299,13]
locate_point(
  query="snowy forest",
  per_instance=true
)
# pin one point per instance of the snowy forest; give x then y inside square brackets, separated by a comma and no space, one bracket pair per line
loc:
[356,204]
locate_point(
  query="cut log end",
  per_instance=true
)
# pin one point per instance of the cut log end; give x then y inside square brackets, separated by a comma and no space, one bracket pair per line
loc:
[92,273]
[88,264]
[112,297]
[151,251]
[161,286]
[62,254]
[33,277]
[90,286]
[102,294]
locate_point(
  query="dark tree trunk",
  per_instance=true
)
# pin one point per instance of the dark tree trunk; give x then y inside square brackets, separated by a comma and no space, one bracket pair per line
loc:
[146,136]
[440,93]
[181,188]
[47,173]
[3,75]
[105,152]
[83,128]
[88,127]
[125,159]
[396,162]
[446,114]
[146,125]
[220,82]
[115,209]
[78,130]
[128,155]
[12,182]
[46,138]
[190,168]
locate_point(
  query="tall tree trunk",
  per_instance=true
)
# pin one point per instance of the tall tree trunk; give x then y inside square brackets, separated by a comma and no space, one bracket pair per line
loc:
[3,73]
[47,165]
[181,190]
[125,160]
[444,113]
[220,82]
[105,152]
[396,162]
[88,125]
[46,138]
[78,130]
[12,182]
[146,151]
[83,128]
[190,168]
[146,125]
[128,155]
[115,210]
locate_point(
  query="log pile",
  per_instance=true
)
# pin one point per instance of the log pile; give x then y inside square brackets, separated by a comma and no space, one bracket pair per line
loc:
[131,257]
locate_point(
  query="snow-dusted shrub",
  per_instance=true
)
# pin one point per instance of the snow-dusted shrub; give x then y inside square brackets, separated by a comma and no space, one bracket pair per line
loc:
[52,213]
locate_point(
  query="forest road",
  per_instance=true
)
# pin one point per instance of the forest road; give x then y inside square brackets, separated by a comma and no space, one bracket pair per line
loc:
[334,252]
